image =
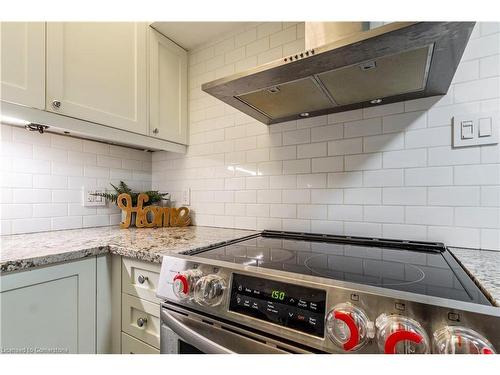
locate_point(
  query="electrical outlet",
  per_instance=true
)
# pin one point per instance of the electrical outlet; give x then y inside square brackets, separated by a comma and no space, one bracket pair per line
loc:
[90,200]
[186,197]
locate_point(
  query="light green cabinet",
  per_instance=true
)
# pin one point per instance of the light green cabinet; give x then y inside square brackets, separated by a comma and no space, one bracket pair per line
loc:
[50,309]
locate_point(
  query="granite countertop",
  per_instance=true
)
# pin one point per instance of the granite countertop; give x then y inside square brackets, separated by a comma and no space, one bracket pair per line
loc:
[23,251]
[484,268]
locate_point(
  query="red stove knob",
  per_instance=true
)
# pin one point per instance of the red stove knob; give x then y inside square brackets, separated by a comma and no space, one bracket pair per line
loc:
[348,327]
[401,335]
[184,282]
[460,340]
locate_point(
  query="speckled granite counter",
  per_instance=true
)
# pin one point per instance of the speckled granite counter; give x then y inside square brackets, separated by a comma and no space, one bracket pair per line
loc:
[484,267]
[23,251]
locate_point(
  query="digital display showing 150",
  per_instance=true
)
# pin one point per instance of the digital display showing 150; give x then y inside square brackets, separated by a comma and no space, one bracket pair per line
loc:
[278,294]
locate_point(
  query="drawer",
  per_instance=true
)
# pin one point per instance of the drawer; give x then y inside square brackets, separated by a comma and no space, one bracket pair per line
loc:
[131,345]
[134,309]
[140,279]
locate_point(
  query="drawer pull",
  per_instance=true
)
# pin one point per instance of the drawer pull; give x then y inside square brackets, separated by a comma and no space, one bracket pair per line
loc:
[141,322]
[142,279]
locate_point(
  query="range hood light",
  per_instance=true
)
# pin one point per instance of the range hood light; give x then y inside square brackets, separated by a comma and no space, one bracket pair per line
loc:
[376,101]
[273,90]
[304,114]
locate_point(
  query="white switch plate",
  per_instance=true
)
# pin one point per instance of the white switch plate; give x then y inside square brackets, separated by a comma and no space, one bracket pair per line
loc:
[475,139]
[186,197]
[92,200]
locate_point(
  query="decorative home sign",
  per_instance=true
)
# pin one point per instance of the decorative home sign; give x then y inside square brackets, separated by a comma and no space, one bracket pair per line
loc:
[159,216]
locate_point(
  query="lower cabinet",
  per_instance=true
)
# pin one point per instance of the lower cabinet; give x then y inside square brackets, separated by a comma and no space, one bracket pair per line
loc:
[140,309]
[131,345]
[50,309]
[103,304]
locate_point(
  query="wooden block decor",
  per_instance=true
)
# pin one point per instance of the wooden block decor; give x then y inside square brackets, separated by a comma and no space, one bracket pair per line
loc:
[152,216]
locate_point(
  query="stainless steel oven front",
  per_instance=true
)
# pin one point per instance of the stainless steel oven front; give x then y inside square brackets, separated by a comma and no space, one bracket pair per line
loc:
[184,331]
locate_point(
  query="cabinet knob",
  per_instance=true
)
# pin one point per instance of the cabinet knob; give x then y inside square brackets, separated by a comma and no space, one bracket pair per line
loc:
[142,279]
[156,131]
[141,322]
[56,104]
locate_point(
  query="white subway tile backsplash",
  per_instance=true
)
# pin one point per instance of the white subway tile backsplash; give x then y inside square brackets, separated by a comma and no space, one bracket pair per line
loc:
[297,137]
[283,182]
[345,146]
[404,121]
[480,217]
[325,133]
[297,166]
[371,126]
[329,164]
[345,212]
[363,196]
[419,188]
[297,196]
[327,196]
[283,153]
[404,196]
[440,136]
[387,177]
[455,236]
[405,159]
[490,196]
[384,214]
[317,180]
[363,162]
[450,156]
[454,196]
[410,232]
[429,215]
[431,176]
[487,174]
[345,179]
[311,211]
[54,170]
[283,210]
[312,150]
[386,142]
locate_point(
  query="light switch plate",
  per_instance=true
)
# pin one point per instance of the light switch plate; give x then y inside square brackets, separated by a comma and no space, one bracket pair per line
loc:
[460,126]
[92,200]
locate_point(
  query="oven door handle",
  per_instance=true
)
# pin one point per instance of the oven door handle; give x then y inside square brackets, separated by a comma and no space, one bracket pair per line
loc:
[192,337]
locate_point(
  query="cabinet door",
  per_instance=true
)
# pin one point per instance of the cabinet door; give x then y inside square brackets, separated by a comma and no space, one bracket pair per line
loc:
[168,89]
[23,63]
[50,309]
[97,71]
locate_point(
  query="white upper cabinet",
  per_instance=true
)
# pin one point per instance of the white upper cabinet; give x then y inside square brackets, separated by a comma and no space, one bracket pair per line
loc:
[97,72]
[23,63]
[168,89]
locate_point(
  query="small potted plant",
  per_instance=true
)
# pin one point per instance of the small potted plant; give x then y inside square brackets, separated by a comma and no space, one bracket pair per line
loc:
[155,197]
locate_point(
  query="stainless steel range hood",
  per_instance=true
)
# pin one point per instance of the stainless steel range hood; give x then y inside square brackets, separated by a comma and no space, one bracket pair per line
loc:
[390,63]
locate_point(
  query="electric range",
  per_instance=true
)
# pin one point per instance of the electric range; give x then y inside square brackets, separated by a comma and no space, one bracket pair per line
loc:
[278,292]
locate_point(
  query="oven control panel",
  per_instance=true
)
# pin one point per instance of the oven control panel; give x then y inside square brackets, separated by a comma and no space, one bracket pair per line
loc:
[288,305]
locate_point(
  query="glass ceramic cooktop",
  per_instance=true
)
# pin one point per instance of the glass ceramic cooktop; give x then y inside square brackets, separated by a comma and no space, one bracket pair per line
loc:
[413,271]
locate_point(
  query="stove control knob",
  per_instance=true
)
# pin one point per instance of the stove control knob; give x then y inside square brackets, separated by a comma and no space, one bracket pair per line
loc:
[398,334]
[348,327]
[460,340]
[183,283]
[209,290]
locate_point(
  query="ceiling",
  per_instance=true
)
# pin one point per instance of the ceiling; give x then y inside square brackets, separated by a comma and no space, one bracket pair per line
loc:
[190,35]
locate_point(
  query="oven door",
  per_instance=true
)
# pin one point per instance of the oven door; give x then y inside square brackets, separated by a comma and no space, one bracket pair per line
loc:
[186,332]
